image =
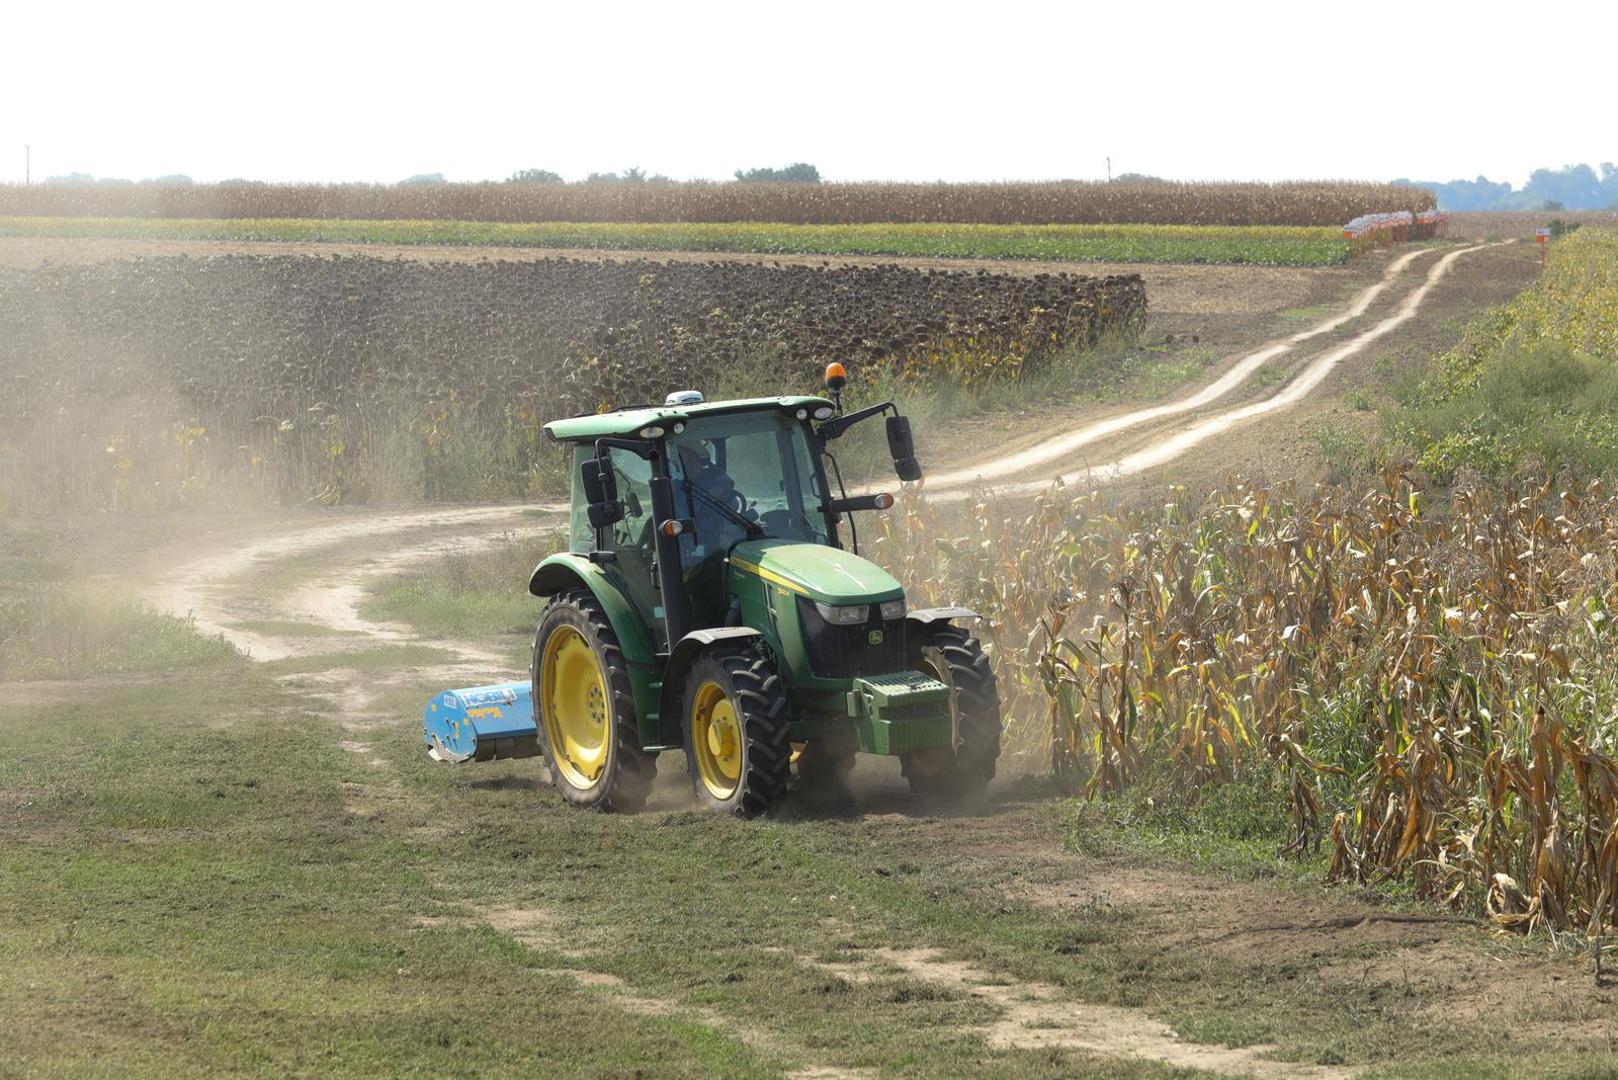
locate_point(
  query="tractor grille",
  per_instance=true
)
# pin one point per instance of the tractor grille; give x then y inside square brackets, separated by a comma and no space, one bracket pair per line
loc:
[844,652]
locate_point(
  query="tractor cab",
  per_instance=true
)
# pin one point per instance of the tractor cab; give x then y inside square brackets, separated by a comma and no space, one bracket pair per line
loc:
[707,603]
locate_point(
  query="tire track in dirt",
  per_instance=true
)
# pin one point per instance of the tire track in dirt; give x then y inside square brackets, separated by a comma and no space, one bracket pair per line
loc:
[1162,449]
[1035,1015]
[227,587]
[201,588]
[535,929]
[1311,376]
[1238,373]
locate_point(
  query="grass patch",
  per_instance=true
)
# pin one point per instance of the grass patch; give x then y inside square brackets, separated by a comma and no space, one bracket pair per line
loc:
[1268,375]
[1344,449]
[1153,376]
[1268,245]
[469,593]
[1533,380]
[48,631]
[168,913]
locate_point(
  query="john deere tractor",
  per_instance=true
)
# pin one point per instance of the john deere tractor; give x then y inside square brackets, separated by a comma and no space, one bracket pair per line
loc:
[710,602]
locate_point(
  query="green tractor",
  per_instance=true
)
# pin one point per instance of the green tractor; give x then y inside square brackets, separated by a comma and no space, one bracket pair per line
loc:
[707,602]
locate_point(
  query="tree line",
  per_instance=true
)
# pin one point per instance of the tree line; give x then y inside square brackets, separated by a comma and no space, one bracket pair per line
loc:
[1572,187]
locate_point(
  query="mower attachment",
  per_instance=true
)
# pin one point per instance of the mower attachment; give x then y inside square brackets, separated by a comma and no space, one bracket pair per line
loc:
[481,724]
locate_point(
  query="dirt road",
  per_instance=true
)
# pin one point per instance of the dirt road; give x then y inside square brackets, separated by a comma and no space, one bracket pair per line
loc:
[1136,441]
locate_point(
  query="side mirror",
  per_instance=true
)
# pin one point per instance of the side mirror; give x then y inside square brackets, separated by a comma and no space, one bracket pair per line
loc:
[903,449]
[601,492]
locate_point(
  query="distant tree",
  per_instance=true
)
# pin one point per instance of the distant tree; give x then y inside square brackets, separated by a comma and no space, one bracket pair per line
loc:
[175,180]
[534,176]
[798,173]
[1479,194]
[71,178]
[632,175]
[423,178]
[1573,187]
[1552,205]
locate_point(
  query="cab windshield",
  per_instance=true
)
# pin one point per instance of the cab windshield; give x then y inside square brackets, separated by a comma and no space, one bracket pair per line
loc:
[745,475]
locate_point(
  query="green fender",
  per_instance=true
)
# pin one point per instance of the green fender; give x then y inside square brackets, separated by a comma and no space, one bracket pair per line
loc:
[567,571]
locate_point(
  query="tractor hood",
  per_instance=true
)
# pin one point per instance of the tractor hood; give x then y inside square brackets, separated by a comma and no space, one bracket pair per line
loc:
[827,574]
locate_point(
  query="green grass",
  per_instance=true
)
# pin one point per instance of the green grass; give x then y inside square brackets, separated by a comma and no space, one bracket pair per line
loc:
[50,629]
[480,594]
[1248,244]
[1532,380]
[1268,375]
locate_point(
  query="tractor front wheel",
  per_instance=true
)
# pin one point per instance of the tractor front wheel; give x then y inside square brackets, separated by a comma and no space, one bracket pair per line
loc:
[735,728]
[963,769]
[586,709]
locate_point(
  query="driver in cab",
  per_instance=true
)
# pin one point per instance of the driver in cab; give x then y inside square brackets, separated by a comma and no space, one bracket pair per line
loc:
[706,493]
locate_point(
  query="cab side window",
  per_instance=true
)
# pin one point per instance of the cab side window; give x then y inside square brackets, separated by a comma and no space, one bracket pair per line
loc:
[634,475]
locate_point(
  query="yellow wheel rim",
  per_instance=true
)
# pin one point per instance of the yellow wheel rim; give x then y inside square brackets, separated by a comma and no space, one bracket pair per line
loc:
[716,740]
[573,697]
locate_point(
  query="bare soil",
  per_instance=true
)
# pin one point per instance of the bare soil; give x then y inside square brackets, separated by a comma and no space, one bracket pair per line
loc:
[1172,289]
[1487,224]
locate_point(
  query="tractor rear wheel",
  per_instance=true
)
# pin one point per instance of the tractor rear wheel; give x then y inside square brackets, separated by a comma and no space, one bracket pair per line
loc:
[735,725]
[963,769]
[586,710]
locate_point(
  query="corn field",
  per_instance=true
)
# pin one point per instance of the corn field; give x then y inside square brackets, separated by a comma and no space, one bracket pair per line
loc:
[1150,202]
[1433,689]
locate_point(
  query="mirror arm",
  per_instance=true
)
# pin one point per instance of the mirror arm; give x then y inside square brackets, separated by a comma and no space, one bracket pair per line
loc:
[834,428]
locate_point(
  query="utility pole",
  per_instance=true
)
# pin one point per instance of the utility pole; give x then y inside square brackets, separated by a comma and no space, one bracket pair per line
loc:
[1109,170]
[27,164]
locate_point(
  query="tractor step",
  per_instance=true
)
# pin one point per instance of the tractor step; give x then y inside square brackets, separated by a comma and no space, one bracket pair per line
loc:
[481,724]
[900,713]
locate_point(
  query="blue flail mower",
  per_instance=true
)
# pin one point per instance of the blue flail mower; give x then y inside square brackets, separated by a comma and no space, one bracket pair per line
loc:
[481,724]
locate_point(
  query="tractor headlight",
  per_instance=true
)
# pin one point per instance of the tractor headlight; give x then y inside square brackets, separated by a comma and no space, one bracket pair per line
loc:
[893,609]
[824,412]
[844,614]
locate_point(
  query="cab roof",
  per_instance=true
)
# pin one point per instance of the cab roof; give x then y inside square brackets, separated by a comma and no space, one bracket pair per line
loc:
[627,422]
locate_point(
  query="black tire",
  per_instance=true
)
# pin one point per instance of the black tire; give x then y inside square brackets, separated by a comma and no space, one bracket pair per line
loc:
[746,677]
[626,776]
[964,769]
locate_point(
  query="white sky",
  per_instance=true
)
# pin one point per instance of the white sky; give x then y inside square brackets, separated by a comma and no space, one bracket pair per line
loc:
[998,90]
